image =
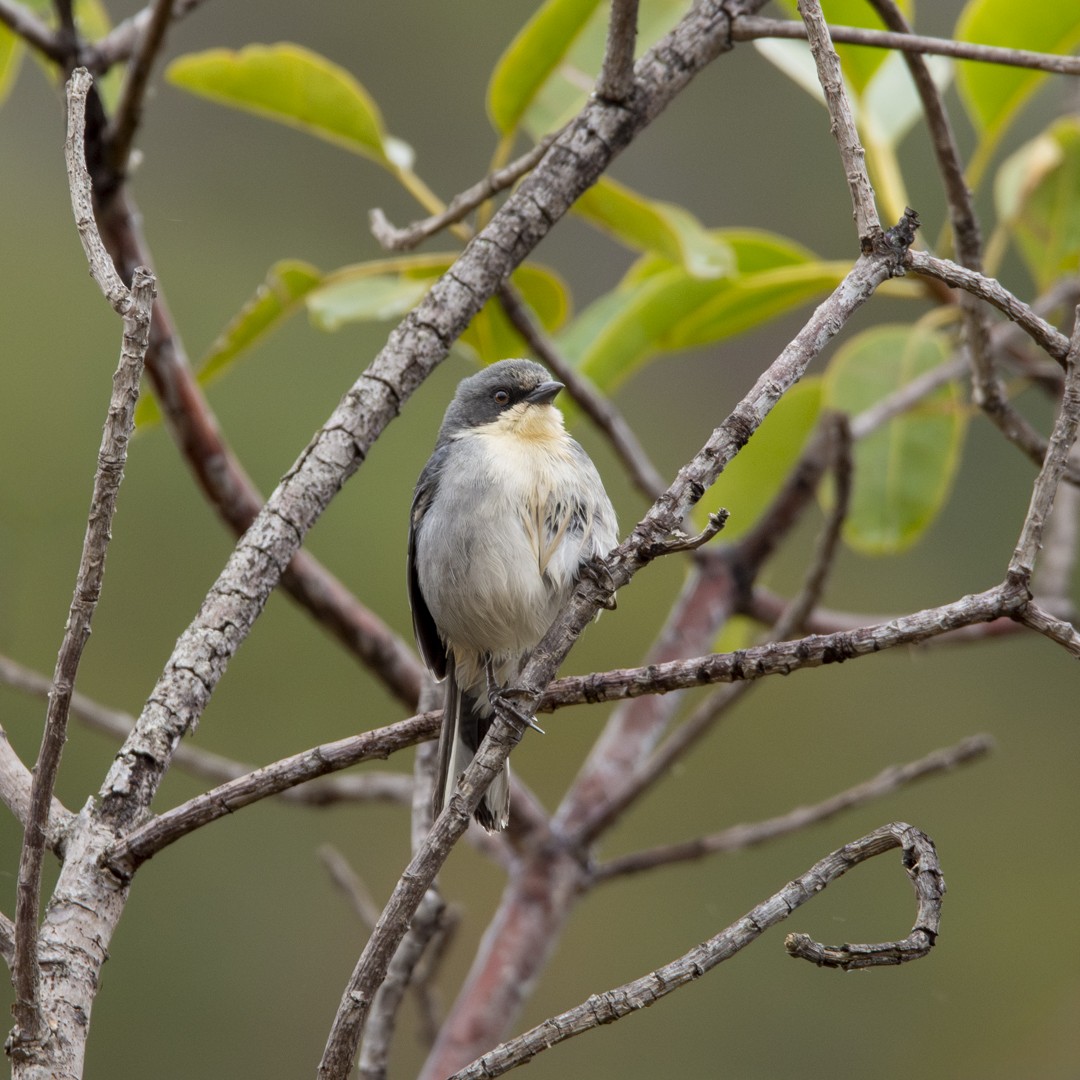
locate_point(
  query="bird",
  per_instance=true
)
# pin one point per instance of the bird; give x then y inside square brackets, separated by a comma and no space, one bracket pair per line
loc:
[507,514]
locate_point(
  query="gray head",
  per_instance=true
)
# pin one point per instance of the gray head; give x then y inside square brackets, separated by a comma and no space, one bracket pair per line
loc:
[506,389]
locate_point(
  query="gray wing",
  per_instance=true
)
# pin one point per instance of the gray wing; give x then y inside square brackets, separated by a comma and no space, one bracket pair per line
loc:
[428,639]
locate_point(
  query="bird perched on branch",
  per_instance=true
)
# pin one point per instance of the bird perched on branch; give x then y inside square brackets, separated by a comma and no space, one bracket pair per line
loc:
[507,512]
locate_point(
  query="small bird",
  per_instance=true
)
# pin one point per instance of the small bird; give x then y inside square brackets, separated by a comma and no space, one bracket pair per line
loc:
[507,512]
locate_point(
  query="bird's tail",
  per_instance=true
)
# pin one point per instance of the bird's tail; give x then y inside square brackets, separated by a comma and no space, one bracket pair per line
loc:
[465,723]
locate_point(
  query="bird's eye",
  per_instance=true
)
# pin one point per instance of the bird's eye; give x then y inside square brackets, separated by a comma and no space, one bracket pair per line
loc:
[501,396]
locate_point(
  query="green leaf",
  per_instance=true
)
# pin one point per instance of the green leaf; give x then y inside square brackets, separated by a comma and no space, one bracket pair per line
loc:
[903,471]
[859,62]
[548,72]
[890,104]
[651,225]
[532,57]
[286,285]
[1037,192]
[993,93]
[660,308]
[11,54]
[294,86]
[749,483]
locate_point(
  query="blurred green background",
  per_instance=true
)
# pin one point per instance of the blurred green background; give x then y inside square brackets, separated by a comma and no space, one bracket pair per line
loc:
[235,946]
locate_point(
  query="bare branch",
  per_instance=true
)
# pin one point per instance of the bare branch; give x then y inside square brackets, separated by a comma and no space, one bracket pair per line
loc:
[102,268]
[370,786]
[919,862]
[15,782]
[135,307]
[1064,633]
[349,882]
[740,837]
[123,39]
[382,1021]
[752,27]
[616,81]
[7,940]
[23,23]
[125,120]
[1022,564]
[393,239]
[599,409]
[784,657]
[142,843]
[843,124]
[1050,340]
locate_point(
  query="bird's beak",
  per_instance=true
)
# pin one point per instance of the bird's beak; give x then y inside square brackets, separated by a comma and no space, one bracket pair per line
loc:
[545,393]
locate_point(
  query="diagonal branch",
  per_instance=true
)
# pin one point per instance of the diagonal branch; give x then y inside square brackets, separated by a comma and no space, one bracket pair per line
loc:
[843,124]
[740,837]
[24,23]
[142,843]
[616,81]
[403,239]
[134,306]
[920,863]
[1062,438]
[125,121]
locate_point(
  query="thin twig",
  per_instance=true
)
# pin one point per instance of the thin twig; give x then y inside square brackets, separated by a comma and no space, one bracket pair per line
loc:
[123,39]
[394,239]
[843,124]
[142,843]
[616,81]
[782,657]
[135,307]
[919,862]
[752,27]
[120,132]
[740,837]
[382,1021]
[15,783]
[23,23]
[599,409]
[1049,339]
[349,882]
[366,787]
[1022,563]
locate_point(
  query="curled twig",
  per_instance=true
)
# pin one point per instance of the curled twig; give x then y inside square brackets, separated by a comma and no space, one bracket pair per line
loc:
[919,861]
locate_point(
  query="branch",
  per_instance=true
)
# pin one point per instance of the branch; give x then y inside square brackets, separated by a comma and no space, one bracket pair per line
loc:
[740,837]
[1022,563]
[134,306]
[616,81]
[393,787]
[1050,340]
[23,23]
[919,861]
[349,882]
[144,842]
[393,239]
[599,409]
[752,27]
[15,783]
[783,657]
[843,124]
[125,120]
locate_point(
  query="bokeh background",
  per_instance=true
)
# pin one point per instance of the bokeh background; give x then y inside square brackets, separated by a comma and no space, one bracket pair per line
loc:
[235,946]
